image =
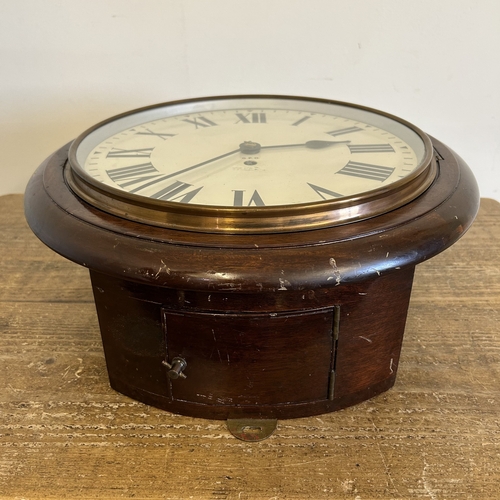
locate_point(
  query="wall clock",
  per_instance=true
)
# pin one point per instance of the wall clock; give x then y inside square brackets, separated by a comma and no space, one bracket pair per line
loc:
[252,257]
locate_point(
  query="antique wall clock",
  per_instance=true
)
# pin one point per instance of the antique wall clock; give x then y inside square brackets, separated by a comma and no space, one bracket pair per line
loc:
[252,257]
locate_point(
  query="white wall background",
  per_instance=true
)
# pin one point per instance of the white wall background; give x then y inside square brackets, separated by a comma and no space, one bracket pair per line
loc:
[67,64]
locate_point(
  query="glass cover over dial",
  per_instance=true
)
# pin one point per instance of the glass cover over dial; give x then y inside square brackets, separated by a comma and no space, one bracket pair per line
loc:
[253,152]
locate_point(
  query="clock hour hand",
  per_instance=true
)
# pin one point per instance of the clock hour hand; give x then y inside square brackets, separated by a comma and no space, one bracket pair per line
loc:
[249,147]
[323,144]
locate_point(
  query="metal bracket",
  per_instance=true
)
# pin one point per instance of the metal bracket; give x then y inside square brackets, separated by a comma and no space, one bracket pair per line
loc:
[251,429]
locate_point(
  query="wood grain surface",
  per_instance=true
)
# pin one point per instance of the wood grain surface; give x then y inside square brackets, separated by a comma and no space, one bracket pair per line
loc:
[65,434]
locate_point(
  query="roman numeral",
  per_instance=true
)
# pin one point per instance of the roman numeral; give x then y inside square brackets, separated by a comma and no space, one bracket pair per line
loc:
[323,191]
[367,171]
[302,120]
[254,118]
[128,176]
[200,121]
[371,148]
[254,200]
[130,153]
[157,134]
[174,192]
[344,131]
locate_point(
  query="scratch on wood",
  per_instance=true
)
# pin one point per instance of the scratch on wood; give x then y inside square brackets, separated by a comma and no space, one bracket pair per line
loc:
[425,482]
[283,284]
[336,271]
[384,462]
[216,348]
[80,369]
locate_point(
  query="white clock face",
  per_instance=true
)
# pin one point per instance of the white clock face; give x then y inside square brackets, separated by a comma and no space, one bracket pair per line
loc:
[250,152]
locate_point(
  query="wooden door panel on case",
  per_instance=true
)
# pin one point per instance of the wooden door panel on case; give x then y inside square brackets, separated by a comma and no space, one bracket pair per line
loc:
[248,359]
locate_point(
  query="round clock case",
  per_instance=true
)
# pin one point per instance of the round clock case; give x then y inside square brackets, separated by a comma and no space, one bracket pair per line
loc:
[252,256]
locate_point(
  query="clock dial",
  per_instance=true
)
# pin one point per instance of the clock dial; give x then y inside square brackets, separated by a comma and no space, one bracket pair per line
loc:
[251,152]
[250,164]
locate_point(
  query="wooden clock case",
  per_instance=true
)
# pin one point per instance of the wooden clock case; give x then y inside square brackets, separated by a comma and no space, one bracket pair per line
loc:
[265,326]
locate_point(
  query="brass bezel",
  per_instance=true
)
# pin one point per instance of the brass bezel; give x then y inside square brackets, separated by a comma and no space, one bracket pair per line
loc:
[252,220]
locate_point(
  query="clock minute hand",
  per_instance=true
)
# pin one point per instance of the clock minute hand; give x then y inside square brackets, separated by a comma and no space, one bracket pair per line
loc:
[247,147]
[160,179]
[203,163]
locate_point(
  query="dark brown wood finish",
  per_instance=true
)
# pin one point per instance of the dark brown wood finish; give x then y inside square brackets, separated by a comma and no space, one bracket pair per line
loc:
[65,434]
[242,361]
[280,326]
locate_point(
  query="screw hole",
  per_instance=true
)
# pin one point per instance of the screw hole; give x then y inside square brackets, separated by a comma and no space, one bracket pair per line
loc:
[249,429]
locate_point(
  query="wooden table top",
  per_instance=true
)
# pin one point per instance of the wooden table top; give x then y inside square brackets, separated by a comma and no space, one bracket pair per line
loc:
[65,434]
